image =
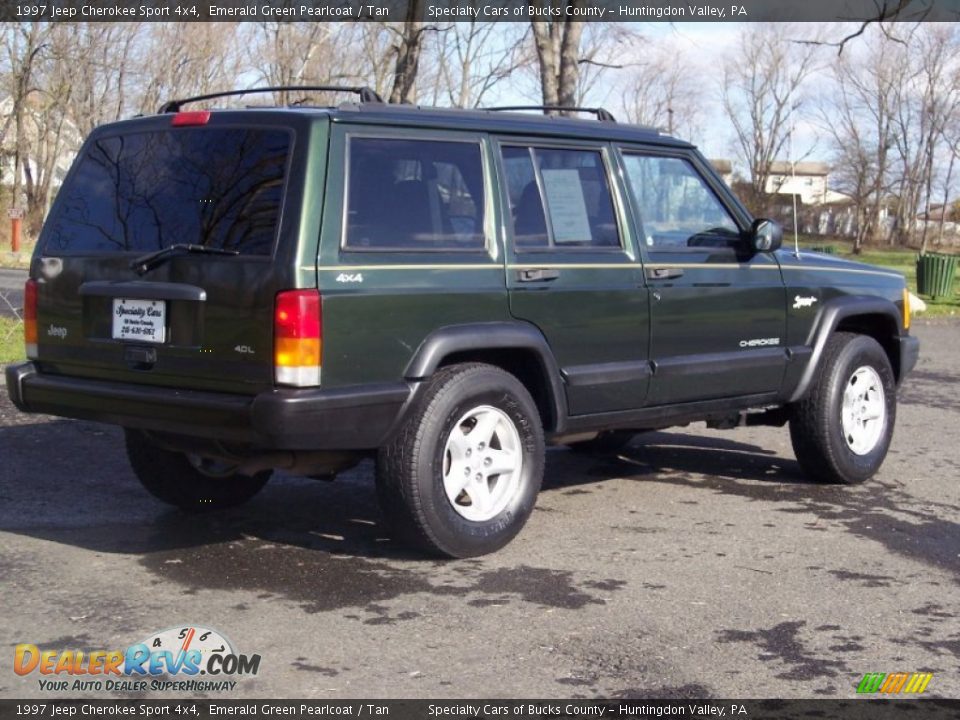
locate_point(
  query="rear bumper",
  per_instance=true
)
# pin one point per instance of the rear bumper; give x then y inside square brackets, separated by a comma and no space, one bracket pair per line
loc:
[909,354]
[354,418]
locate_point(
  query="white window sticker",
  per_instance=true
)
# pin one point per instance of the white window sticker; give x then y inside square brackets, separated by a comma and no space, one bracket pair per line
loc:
[567,206]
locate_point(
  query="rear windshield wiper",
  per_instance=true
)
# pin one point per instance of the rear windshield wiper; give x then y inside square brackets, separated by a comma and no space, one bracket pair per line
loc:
[145,263]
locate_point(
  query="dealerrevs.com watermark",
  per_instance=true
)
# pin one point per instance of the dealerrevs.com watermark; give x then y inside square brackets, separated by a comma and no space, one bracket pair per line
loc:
[188,659]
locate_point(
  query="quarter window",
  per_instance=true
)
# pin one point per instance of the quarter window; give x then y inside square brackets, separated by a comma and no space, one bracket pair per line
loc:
[678,211]
[559,198]
[414,195]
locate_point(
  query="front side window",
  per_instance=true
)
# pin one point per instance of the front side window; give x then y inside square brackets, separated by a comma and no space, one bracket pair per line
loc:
[559,198]
[218,187]
[414,195]
[678,211]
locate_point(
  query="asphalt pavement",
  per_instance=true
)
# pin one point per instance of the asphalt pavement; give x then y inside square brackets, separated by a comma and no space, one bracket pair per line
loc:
[696,563]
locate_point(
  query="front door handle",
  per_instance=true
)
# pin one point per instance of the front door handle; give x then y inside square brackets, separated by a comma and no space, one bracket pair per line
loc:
[664,273]
[537,275]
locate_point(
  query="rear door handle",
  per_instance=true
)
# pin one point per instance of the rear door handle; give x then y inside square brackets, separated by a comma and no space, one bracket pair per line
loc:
[664,273]
[537,275]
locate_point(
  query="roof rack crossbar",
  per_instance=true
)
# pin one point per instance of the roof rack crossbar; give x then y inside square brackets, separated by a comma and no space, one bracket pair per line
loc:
[602,114]
[367,95]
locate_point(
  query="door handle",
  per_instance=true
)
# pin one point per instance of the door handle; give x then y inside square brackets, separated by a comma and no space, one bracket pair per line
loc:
[664,273]
[537,275]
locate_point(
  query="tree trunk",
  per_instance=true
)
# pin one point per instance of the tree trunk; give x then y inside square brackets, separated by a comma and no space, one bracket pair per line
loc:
[558,51]
[408,56]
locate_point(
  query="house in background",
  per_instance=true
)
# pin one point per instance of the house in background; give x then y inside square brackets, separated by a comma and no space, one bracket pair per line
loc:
[724,169]
[806,180]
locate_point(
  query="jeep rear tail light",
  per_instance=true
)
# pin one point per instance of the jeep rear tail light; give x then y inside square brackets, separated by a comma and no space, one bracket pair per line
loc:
[30,317]
[297,338]
[191,117]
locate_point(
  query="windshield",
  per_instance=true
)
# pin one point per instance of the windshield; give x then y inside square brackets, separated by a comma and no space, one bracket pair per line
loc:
[221,188]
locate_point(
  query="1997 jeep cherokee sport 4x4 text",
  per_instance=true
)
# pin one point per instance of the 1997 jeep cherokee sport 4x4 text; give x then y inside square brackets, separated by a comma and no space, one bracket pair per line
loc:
[299,288]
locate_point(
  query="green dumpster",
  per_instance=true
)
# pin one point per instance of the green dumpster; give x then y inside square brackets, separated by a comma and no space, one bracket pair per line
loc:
[935,274]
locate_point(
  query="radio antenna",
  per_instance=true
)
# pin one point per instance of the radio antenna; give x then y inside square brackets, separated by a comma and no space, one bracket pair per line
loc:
[793,176]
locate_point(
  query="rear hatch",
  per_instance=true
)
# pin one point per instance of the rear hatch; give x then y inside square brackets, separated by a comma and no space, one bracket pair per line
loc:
[198,317]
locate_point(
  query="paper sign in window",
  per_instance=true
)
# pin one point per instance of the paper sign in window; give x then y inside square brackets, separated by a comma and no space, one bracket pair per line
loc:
[567,206]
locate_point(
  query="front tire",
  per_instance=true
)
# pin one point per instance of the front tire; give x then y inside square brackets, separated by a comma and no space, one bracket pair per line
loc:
[461,476]
[842,429]
[171,477]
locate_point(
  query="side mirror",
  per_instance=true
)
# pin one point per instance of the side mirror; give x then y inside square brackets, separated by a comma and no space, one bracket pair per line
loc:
[765,235]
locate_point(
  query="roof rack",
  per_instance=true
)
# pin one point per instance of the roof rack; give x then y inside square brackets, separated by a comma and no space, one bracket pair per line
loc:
[367,95]
[602,114]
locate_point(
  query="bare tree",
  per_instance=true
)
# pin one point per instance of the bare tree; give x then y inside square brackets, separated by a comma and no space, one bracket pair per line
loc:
[175,60]
[408,44]
[886,14]
[40,120]
[103,79]
[472,58]
[662,92]
[762,94]
[927,97]
[558,51]
[26,46]
[285,54]
[859,120]
[602,47]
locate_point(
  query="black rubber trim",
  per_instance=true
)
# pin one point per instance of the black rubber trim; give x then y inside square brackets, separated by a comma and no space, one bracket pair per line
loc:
[354,418]
[14,376]
[667,415]
[708,363]
[909,354]
[491,336]
[141,290]
[606,373]
[828,317]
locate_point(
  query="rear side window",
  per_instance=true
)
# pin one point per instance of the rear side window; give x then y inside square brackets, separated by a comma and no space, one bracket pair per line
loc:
[559,198]
[145,191]
[414,195]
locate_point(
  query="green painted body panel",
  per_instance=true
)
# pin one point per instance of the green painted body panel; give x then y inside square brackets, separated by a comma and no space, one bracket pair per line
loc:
[824,277]
[387,302]
[621,338]
[223,343]
[311,209]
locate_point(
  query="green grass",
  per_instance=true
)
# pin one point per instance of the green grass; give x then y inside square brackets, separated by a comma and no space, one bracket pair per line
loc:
[11,340]
[902,261]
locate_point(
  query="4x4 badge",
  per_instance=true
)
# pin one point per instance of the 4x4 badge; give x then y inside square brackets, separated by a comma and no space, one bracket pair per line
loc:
[350,277]
[802,302]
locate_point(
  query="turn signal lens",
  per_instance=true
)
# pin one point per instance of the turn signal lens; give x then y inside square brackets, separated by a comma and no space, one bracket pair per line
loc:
[298,338]
[906,309]
[30,317]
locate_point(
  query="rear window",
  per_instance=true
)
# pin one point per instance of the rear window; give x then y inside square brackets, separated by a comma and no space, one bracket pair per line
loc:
[145,191]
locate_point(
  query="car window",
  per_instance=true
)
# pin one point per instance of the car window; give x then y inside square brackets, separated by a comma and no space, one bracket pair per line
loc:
[678,211]
[559,198]
[414,195]
[217,187]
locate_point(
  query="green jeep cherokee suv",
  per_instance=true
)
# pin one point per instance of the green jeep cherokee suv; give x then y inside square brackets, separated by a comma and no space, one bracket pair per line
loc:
[445,290]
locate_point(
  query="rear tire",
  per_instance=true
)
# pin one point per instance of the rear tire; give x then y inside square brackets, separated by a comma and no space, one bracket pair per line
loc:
[171,477]
[461,476]
[841,430]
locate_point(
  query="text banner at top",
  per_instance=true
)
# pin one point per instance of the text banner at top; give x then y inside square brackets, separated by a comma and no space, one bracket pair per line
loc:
[479,10]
